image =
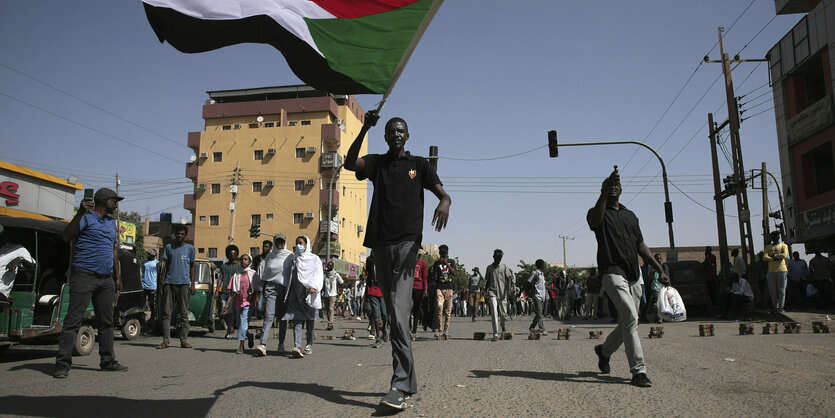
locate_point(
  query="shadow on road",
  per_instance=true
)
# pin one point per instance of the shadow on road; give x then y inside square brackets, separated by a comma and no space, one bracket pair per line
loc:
[580,377]
[88,406]
[326,393]
[15,355]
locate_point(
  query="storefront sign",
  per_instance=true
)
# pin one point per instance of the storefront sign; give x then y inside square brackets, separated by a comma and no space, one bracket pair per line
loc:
[810,120]
[127,232]
[8,189]
[816,223]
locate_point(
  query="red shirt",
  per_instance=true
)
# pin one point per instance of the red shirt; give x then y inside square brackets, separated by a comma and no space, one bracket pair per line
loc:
[420,275]
[710,267]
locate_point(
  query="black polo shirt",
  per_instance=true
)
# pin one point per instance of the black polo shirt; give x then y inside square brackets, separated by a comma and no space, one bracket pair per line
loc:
[618,238]
[396,213]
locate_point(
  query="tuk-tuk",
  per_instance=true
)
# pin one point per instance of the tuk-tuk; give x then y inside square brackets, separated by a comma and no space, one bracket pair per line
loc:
[41,300]
[129,314]
[201,303]
[688,277]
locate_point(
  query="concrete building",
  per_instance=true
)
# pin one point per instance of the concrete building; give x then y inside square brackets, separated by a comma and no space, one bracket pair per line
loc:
[31,194]
[801,67]
[266,157]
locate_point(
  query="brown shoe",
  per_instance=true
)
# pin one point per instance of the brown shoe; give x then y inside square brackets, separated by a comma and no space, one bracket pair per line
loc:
[164,345]
[185,344]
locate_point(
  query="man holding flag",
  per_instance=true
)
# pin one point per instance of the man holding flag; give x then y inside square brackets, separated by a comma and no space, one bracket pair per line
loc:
[394,232]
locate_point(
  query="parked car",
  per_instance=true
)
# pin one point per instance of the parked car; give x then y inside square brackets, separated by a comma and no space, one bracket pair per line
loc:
[688,277]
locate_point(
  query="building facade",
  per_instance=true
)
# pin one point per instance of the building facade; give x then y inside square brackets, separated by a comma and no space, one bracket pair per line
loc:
[801,68]
[266,157]
[31,194]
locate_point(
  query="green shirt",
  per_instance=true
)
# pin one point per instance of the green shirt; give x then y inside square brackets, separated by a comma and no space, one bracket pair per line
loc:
[227,270]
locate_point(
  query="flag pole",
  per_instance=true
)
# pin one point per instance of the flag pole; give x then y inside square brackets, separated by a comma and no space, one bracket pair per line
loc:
[436,4]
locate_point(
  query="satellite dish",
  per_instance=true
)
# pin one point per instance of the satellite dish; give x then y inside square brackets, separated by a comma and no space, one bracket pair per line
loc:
[260,119]
[192,159]
[183,221]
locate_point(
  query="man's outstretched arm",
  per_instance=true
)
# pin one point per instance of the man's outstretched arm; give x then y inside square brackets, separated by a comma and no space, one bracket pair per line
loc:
[352,160]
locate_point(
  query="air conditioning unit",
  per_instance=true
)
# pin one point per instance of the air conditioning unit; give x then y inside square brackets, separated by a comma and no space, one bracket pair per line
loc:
[308,215]
[338,121]
[360,228]
[311,182]
[204,155]
[233,188]
[271,151]
[311,149]
[202,186]
[270,183]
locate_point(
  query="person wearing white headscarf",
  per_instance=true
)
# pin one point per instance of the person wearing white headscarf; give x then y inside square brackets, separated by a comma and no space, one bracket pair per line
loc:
[305,278]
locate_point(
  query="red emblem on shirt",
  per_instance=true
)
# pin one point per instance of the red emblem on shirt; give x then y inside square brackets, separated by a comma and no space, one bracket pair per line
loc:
[412,173]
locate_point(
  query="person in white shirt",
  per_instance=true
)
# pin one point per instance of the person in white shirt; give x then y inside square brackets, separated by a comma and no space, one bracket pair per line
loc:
[738,294]
[12,258]
[739,266]
[332,279]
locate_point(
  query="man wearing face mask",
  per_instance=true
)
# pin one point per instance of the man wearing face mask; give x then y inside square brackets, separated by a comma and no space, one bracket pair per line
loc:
[269,283]
[394,232]
[332,281]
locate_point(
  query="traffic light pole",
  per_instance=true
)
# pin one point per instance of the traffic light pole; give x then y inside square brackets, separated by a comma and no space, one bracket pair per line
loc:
[668,206]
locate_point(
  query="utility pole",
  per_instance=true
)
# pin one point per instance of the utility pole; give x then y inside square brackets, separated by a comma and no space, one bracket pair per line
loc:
[564,261]
[766,233]
[718,199]
[233,188]
[741,191]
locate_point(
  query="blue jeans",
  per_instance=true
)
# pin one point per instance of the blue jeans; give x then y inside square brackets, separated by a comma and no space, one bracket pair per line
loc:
[231,318]
[243,321]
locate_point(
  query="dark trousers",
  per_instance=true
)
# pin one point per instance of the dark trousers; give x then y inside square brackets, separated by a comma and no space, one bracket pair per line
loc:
[537,319]
[179,293]
[395,266]
[796,294]
[734,302]
[84,286]
[417,301]
[151,299]
[713,292]
[429,307]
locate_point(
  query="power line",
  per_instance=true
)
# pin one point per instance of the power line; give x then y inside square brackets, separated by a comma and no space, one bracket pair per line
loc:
[494,158]
[92,105]
[90,128]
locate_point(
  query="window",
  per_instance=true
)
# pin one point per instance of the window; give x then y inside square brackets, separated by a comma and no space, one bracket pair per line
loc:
[217,157]
[297,218]
[256,187]
[236,126]
[201,250]
[808,84]
[305,122]
[258,154]
[214,220]
[298,185]
[227,127]
[269,124]
[269,216]
[203,219]
[215,188]
[292,123]
[300,152]
[212,252]
[254,251]
[343,191]
[818,170]
[256,219]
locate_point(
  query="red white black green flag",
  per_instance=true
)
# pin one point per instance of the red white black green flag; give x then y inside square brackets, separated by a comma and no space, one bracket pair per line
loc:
[338,46]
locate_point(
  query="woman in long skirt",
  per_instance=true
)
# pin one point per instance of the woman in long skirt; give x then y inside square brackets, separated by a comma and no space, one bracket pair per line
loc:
[303,295]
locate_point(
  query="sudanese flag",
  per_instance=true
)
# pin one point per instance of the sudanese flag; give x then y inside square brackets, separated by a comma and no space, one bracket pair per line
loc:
[337,46]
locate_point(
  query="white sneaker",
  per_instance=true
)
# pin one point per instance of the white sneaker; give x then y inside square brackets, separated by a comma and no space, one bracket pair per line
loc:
[297,352]
[308,350]
[262,349]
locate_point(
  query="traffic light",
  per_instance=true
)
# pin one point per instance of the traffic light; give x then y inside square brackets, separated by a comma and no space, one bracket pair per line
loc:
[254,231]
[552,144]
[433,156]
[777,214]
[730,183]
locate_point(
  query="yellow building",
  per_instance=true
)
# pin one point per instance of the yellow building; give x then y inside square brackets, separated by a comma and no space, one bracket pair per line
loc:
[266,157]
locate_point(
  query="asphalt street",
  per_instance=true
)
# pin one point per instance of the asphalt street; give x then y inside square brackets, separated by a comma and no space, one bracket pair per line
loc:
[728,374]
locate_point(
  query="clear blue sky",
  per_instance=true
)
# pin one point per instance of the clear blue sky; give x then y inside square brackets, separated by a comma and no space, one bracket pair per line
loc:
[489,79]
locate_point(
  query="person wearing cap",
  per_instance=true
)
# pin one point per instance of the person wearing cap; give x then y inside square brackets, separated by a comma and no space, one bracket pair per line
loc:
[94,275]
[149,282]
[270,284]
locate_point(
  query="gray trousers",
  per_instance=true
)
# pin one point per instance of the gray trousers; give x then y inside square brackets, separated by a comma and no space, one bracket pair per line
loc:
[395,268]
[181,294]
[274,306]
[777,288]
[627,299]
[497,311]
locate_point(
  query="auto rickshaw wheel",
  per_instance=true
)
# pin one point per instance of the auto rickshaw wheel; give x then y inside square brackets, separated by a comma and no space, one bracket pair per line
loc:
[84,341]
[131,329]
[4,348]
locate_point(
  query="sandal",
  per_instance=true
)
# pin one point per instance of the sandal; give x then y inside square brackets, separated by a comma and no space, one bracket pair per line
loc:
[163,346]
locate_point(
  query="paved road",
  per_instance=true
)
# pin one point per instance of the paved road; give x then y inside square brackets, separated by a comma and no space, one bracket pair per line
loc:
[777,375]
